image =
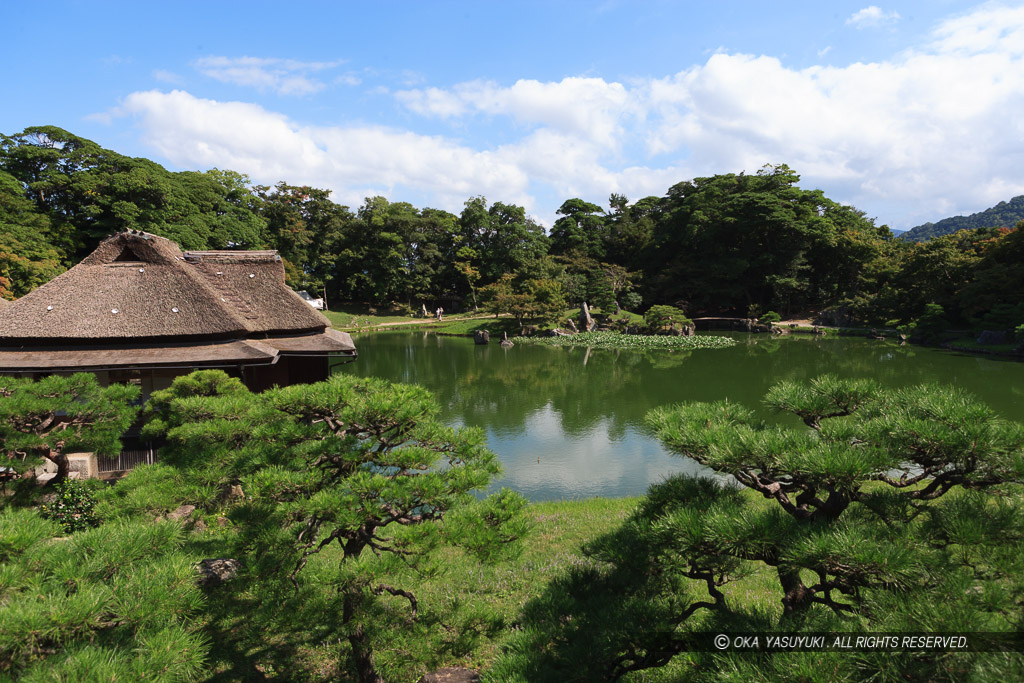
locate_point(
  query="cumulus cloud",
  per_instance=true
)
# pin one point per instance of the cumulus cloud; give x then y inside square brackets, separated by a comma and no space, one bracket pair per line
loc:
[992,28]
[871,16]
[281,76]
[925,134]
[584,107]
[916,137]
[354,162]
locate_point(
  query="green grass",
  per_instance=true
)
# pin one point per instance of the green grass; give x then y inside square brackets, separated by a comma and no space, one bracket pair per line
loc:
[360,318]
[465,323]
[971,344]
[468,611]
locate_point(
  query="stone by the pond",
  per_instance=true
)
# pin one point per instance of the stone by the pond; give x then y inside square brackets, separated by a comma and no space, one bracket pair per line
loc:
[587,323]
[992,337]
[505,341]
[451,674]
[481,337]
[216,571]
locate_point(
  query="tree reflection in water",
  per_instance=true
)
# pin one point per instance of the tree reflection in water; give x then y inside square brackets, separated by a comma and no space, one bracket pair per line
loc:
[580,411]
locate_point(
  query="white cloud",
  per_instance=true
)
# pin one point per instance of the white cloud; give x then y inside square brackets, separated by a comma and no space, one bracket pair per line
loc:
[354,162]
[990,28]
[930,128]
[165,76]
[585,107]
[871,16]
[348,79]
[281,76]
[928,133]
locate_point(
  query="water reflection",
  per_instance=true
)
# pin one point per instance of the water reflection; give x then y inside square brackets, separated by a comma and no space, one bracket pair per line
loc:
[580,411]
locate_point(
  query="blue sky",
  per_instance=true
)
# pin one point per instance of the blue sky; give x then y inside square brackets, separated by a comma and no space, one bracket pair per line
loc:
[910,111]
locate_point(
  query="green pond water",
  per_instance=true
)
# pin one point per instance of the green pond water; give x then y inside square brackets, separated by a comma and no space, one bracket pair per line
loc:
[567,423]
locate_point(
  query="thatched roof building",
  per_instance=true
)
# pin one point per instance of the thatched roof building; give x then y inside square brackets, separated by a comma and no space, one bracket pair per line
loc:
[139,302]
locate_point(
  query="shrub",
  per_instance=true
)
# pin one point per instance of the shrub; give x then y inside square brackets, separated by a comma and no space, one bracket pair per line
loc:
[932,322]
[660,318]
[769,317]
[73,507]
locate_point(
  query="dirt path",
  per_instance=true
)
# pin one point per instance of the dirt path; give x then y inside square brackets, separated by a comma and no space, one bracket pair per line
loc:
[424,321]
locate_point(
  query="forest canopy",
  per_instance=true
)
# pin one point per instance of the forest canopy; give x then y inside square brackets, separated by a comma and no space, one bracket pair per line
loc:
[739,244]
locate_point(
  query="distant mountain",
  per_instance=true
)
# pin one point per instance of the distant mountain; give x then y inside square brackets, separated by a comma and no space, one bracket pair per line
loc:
[1002,215]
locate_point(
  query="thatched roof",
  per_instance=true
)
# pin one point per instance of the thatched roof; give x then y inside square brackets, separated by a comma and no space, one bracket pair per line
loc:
[138,300]
[142,287]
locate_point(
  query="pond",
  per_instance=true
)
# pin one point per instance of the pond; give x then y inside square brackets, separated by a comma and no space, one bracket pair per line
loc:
[567,423]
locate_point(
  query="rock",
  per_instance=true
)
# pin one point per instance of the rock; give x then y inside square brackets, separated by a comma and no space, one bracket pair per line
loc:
[779,330]
[529,331]
[990,337]
[236,492]
[451,674]
[182,513]
[222,521]
[505,342]
[587,323]
[214,572]
[423,312]
[557,332]
[689,330]
[481,337]
[572,326]
[199,525]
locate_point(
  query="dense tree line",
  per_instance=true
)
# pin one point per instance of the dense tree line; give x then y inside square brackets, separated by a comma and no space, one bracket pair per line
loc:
[739,244]
[1002,215]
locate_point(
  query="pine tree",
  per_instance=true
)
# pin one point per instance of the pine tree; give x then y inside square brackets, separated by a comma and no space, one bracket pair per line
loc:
[325,474]
[57,415]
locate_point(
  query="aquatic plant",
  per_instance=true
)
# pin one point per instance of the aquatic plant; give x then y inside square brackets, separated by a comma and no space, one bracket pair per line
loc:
[614,340]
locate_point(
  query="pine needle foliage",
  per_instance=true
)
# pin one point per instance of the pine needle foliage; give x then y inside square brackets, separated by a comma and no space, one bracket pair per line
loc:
[112,603]
[51,417]
[872,510]
[317,479]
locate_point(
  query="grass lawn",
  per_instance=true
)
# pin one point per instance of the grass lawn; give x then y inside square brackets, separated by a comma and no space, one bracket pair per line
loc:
[465,323]
[467,610]
[971,343]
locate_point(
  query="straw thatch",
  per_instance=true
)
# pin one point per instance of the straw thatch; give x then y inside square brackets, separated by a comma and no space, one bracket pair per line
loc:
[142,287]
[137,294]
